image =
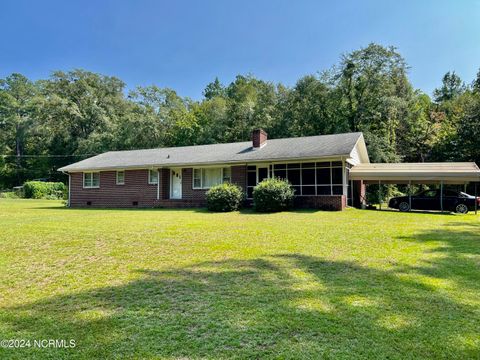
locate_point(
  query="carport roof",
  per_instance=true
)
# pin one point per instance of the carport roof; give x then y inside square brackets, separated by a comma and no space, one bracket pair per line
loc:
[402,173]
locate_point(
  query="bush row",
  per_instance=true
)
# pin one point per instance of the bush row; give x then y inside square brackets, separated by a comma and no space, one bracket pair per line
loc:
[269,196]
[45,190]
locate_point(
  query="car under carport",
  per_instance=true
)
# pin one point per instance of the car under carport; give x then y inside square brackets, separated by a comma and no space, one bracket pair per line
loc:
[445,173]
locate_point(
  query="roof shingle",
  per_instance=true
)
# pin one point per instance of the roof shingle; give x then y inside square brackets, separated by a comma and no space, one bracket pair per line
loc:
[275,149]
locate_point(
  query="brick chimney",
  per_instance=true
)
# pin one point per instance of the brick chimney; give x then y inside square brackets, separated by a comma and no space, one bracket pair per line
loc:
[259,138]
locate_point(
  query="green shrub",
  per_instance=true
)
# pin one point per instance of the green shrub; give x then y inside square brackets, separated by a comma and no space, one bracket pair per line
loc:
[8,195]
[224,197]
[44,190]
[273,195]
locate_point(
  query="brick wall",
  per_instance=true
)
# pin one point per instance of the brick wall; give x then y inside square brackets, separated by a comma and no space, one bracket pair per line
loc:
[136,189]
[359,193]
[327,202]
[239,176]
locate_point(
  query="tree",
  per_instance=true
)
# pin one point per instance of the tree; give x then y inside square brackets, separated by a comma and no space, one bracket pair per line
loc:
[452,87]
[214,89]
[420,131]
[309,109]
[81,111]
[251,104]
[476,83]
[168,114]
[17,125]
[468,145]
[375,94]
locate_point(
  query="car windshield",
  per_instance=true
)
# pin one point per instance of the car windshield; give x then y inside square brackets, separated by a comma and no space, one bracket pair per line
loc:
[462,194]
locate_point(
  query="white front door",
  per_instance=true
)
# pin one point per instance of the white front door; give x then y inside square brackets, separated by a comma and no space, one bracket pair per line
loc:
[176,183]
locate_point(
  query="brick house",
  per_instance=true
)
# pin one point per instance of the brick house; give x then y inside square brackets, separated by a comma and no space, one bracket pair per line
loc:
[316,166]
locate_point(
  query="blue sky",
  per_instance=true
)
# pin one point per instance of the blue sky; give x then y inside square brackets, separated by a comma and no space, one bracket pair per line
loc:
[184,45]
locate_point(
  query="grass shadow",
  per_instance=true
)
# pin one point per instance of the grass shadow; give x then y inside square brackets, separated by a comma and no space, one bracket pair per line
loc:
[285,306]
[457,246]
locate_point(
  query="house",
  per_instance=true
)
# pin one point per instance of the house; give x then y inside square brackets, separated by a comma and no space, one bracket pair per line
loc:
[316,166]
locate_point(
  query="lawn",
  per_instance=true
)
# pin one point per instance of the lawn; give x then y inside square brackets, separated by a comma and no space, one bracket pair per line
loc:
[192,284]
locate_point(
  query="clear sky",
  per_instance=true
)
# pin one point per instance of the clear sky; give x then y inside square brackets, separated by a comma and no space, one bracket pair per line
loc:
[185,44]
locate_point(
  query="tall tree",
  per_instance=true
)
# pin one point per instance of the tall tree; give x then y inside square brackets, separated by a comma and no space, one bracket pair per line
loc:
[17,125]
[214,89]
[452,87]
[375,94]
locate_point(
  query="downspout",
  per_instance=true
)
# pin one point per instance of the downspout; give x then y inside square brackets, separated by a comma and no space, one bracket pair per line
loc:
[441,195]
[476,199]
[379,195]
[158,184]
[410,194]
[69,188]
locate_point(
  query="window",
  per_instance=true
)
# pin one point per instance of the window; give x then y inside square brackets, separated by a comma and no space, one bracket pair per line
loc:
[205,178]
[337,176]
[197,178]
[309,178]
[227,174]
[121,177]
[91,180]
[323,176]
[211,177]
[294,177]
[153,177]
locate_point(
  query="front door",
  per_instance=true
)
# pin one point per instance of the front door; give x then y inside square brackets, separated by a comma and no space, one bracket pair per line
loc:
[176,183]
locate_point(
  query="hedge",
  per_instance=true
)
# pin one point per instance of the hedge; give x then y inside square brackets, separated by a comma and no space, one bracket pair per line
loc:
[44,190]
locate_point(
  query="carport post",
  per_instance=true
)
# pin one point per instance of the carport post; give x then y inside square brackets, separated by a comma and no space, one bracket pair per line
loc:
[476,200]
[441,195]
[379,195]
[351,193]
[410,194]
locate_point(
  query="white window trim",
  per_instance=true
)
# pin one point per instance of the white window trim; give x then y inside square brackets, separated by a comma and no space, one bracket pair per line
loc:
[91,175]
[116,177]
[151,182]
[201,176]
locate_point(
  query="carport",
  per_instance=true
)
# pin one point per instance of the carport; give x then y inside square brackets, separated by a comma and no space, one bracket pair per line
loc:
[458,173]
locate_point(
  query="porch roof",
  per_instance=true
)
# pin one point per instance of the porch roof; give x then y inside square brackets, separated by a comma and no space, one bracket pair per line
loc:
[403,173]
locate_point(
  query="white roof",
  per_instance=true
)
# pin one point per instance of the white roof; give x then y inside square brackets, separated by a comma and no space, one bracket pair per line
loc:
[448,172]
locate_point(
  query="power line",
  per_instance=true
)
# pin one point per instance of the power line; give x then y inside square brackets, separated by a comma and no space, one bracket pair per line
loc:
[45,156]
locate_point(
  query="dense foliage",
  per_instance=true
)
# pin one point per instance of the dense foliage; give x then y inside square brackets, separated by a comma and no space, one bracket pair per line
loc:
[72,115]
[224,197]
[44,190]
[273,195]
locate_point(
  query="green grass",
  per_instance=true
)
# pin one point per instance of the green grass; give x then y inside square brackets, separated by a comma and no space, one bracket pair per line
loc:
[192,284]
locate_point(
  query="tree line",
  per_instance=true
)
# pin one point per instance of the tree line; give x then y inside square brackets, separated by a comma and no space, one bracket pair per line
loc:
[72,115]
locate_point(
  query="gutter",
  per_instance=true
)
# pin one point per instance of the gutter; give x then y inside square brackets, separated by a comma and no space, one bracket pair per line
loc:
[234,162]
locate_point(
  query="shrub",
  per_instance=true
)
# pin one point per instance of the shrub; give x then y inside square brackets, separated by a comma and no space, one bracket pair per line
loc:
[224,197]
[273,195]
[8,195]
[44,190]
